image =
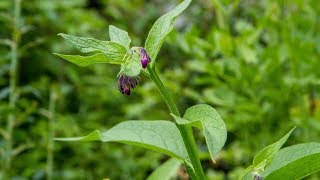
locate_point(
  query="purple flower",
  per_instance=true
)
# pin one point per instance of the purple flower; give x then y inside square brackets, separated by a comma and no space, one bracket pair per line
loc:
[144,57]
[125,83]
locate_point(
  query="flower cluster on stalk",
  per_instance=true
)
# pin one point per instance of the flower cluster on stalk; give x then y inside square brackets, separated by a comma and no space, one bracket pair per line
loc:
[126,83]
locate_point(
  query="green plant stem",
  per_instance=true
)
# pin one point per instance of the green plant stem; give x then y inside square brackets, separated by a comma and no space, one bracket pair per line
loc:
[185,131]
[13,86]
[51,119]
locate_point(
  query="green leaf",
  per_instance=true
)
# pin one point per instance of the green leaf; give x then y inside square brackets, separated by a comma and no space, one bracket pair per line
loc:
[113,51]
[294,162]
[84,61]
[166,171]
[160,136]
[206,118]
[265,156]
[161,28]
[119,36]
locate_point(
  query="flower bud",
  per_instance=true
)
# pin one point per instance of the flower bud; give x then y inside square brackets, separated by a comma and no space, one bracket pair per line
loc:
[144,57]
[125,83]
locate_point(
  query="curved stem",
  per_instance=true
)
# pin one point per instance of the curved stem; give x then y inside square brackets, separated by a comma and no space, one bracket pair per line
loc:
[185,131]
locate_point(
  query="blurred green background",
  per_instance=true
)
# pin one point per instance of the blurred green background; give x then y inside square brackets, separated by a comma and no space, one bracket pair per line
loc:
[255,61]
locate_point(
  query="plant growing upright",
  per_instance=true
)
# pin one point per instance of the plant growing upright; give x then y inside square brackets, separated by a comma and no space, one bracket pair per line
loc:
[174,139]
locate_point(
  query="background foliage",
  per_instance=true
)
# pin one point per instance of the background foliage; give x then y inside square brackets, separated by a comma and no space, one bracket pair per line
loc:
[256,62]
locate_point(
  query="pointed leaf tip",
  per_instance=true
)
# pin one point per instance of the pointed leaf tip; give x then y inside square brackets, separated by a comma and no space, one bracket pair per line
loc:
[161,28]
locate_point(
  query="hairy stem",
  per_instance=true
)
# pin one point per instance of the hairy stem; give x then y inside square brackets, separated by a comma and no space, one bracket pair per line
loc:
[185,131]
[13,86]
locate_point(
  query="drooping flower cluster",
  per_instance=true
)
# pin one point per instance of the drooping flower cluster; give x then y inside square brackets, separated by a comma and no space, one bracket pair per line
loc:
[125,83]
[144,58]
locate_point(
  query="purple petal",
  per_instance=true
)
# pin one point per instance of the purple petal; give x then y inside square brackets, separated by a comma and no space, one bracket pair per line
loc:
[144,57]
[127,91]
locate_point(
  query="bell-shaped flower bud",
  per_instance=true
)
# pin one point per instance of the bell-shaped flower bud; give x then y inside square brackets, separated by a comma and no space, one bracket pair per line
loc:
[125,83]
[144,58]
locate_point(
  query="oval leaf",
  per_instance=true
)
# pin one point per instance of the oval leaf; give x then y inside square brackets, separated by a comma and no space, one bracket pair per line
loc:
[294,162]
[119,36]
[111,50]
[160,136]
[84,61]
[161,28]
[207,118]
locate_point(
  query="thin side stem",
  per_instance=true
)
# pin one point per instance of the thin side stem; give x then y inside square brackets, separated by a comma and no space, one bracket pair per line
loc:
[185,131]
[13,86]
[51,119]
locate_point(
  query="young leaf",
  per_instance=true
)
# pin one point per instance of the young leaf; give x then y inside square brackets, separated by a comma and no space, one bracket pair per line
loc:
[160,136]
[112,50]
[119,36]
[166,171]
[265,156]
[84,61]
[161,28]
[294,162]
[206,118]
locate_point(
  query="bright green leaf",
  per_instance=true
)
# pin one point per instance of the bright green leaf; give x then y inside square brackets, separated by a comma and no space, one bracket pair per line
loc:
[111,50]
[166,171]
[265,156]
[207,118]
[161,28]
[84,61]
[119,36]
[294,162]
[160,136]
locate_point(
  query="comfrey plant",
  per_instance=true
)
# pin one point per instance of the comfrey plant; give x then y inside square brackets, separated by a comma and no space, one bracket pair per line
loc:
[171,138]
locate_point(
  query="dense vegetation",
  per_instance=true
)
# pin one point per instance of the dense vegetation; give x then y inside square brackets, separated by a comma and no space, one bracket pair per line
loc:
[256,62]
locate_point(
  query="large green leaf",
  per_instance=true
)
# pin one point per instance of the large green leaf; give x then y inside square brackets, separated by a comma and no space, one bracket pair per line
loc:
[166,171]
[119,36]
[206,118]
[113,51]
[160,136]
[84,61]
[265,156]
[294,162]
[161,28]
